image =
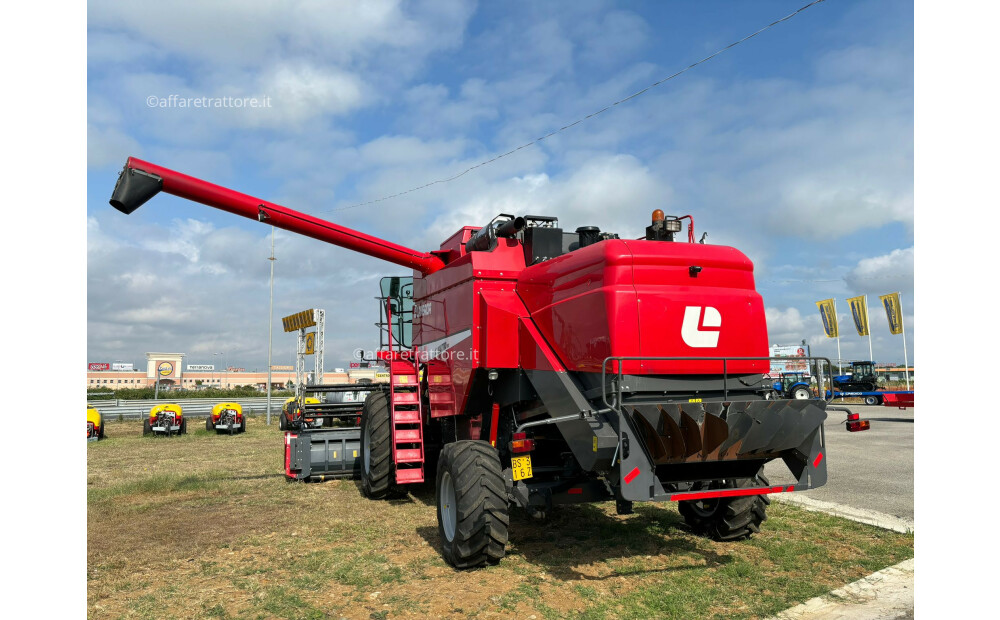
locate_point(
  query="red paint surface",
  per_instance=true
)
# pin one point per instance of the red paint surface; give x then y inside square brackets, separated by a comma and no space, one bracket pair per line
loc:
[726,493]
[819,457]
[247,206]
[631,475]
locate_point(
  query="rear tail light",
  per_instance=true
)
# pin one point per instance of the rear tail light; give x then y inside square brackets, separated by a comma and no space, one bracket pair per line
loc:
[521,443]
[858,425]
[851,417]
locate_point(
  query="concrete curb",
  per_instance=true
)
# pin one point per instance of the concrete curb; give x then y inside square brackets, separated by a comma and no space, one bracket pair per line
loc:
[859,515]
[884,595]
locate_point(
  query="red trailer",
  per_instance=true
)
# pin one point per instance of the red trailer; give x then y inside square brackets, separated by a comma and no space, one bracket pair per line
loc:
[531,366]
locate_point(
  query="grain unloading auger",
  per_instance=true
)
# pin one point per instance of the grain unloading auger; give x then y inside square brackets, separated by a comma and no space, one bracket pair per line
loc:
[532,367]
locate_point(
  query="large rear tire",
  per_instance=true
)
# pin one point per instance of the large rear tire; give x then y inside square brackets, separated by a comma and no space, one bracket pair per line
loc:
[184,427]
[146,428]
[471,500]
[282,423]
[728,518]
[377,477]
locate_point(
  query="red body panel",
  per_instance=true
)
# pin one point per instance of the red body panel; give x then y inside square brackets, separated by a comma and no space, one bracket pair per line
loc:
[614,298]
[631,298]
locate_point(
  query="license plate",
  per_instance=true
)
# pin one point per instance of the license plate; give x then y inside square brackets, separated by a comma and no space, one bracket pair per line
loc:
[522,467]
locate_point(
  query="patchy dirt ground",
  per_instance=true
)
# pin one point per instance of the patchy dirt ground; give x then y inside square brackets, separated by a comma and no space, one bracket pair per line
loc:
[207,526]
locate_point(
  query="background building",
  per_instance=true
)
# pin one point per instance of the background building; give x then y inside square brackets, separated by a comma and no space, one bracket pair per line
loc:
[174,374]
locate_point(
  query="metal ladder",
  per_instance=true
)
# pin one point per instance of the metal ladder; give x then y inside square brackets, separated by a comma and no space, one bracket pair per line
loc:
[407,422]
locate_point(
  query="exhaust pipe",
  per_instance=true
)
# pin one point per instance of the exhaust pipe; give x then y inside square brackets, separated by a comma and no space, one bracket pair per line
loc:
[133,189]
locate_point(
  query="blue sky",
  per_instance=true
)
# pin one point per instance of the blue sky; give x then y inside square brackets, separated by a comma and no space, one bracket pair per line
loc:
[795,147]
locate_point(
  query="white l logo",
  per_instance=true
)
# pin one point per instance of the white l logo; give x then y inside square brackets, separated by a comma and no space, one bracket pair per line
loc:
[695,337]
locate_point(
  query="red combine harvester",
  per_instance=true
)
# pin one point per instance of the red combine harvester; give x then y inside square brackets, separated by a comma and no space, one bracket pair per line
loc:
[533,367]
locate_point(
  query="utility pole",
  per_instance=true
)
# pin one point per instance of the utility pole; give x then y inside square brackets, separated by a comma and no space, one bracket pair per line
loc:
[270,328]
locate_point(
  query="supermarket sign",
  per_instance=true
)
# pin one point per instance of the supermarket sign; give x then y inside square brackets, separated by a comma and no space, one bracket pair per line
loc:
[98,366]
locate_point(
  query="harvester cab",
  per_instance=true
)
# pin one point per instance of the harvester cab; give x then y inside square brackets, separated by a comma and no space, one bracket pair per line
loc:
[531,366]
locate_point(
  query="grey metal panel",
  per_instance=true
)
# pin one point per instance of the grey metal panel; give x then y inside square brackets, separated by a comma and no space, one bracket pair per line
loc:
[562,397]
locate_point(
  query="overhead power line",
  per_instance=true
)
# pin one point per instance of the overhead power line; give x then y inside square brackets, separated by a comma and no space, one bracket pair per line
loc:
[580,120]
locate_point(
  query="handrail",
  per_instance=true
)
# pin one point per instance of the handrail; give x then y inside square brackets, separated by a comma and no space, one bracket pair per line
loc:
[725,372]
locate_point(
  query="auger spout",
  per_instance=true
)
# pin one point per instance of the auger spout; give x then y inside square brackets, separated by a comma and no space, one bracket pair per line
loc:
[141,180]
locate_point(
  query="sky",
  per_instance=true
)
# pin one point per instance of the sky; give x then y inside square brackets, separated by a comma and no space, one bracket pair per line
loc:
[795,147]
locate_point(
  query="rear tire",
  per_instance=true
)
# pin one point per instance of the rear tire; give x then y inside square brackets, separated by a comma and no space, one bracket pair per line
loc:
[184,427]
[100,433]
[730,518]
[471,500]
[377,478]
[146,428]
[282,423]
[243,426]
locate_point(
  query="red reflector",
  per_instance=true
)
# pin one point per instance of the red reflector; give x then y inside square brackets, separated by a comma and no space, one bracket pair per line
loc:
[819,457]
[724,493]
[853,416]
[575,491]
[521,444]
[629,477]
[790,489]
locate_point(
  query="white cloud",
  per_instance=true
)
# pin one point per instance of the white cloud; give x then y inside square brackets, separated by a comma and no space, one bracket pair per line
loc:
[892,272]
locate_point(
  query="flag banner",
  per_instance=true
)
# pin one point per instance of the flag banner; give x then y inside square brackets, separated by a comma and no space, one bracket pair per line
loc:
[829,315]
[893,311]
[859,310]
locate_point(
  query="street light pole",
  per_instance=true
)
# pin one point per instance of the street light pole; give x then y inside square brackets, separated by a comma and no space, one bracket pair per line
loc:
[270,328]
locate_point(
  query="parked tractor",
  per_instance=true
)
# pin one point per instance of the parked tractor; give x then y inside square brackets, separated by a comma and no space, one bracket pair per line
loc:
[530,366]
[165,419]
[226,418]
[95,425]
[291,414]
[792,385]
[861,379]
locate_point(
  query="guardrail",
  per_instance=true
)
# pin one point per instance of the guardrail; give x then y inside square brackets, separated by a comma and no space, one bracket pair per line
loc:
[192,407]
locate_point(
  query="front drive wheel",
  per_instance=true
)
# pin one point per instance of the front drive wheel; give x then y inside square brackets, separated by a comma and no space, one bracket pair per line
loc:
[471,500]
[377,479]
[727,518]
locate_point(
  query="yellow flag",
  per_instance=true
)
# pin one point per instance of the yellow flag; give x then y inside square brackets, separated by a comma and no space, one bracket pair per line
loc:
[859,310]
[829,315]
[893,311]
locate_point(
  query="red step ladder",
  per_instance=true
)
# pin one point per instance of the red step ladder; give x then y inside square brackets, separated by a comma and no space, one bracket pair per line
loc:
[407,422]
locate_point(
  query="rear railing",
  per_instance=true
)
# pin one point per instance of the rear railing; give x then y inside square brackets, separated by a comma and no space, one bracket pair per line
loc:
[616,388]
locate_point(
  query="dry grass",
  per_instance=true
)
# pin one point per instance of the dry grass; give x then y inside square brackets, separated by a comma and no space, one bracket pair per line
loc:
[206,526]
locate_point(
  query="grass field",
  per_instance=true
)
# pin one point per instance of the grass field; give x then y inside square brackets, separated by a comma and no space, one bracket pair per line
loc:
[207,526]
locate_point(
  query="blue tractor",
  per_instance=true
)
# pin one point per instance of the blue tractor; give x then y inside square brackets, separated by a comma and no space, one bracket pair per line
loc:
[861,379]
[792,385]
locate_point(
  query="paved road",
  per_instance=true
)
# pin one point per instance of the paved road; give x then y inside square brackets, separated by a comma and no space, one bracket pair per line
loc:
[872,469]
